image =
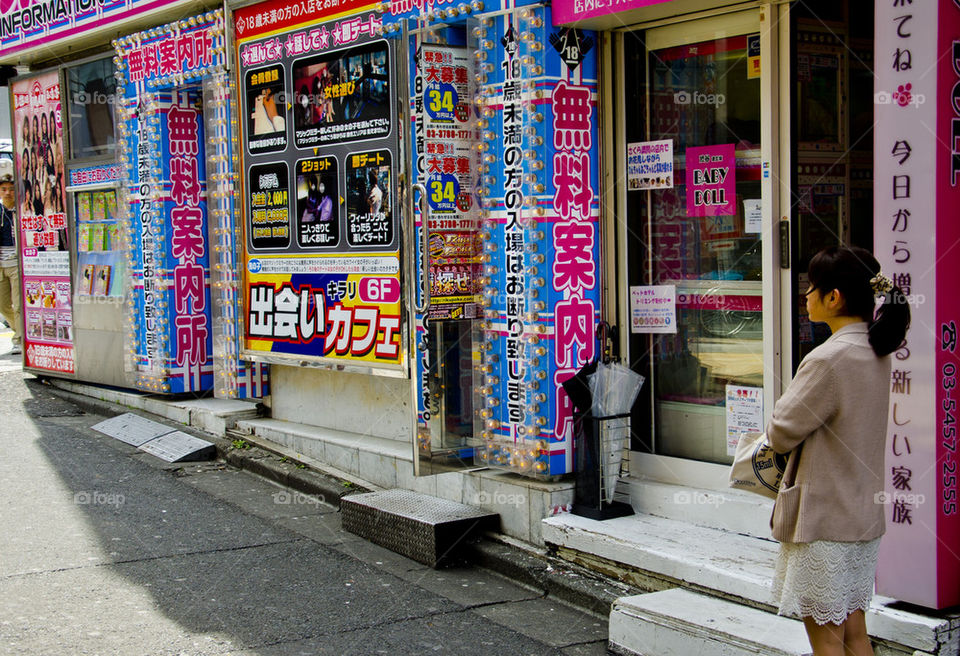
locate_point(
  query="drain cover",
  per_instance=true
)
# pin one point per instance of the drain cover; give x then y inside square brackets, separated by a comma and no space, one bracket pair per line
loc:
[156,439]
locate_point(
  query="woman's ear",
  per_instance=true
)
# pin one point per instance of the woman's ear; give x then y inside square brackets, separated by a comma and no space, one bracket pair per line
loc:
[834,300]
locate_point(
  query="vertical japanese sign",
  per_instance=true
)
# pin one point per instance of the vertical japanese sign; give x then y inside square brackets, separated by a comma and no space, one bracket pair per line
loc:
[575,233]
[320,161]
[43,242]
[515,279]
[540,233]
[188,255]
[448,171]
[165,191]
[918,124]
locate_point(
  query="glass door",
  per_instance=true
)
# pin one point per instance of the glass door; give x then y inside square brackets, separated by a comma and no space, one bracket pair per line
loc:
[696,236]
[832,84]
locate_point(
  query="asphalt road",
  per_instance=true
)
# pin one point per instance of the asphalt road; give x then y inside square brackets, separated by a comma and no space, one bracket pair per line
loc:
[107,550]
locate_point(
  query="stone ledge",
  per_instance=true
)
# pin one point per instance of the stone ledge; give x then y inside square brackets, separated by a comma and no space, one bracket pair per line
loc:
[679,622]
[726,565]
[212,415]
[729,510]
[311,440]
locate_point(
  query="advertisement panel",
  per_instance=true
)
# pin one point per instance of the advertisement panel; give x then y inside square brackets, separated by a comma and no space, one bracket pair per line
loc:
[43,240]
[448,167]
[536,187]
[320,206]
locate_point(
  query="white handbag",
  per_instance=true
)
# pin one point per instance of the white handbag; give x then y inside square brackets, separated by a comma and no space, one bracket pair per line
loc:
[756,467]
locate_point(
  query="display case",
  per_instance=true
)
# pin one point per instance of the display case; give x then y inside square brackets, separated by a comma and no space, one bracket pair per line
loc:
[99,272]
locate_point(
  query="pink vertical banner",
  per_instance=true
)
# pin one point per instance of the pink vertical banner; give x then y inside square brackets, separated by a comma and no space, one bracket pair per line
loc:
[43,240]
[916,178]
[947,370]
[711,180]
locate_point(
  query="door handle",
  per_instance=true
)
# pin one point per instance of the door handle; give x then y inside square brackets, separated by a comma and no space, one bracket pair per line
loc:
[424,303]
[784,243]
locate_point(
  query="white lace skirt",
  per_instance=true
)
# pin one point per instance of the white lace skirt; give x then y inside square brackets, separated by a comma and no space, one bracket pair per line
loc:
[825,580]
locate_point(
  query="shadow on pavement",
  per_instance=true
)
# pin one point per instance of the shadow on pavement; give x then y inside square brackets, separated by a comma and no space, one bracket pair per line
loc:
[120,555]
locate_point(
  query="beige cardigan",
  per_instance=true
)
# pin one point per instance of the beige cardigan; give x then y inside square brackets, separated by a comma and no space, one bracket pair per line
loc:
[837,407]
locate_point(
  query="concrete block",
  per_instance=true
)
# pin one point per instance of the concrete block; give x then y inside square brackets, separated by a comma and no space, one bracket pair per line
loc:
[379,469]
[679,622]
[450,486]
[731,510]
[342,457]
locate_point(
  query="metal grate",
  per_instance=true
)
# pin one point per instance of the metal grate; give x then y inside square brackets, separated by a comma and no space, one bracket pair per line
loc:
[423,528]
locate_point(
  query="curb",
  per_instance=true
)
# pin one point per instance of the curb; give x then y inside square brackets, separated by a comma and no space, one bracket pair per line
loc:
[557,578]
[280,469]
[552,576]
[288,472]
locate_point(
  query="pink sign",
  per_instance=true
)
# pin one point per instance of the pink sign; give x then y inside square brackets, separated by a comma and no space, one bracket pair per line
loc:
[947,369]
[711,180]
[916,191]
[43,240]
[571,11]
[27,24]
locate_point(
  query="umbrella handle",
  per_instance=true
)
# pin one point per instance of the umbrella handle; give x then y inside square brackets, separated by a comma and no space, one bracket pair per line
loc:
[607,335]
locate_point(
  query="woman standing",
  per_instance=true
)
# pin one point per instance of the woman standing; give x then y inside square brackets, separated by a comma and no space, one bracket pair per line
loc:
[832,419]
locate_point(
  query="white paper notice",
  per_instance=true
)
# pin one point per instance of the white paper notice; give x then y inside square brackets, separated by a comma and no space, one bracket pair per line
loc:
[653,309]
[744,413]
[752,216]
[650,165]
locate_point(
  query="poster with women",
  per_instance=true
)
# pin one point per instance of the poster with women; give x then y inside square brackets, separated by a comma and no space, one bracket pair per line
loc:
[342,96]
[44,250]
[267,118]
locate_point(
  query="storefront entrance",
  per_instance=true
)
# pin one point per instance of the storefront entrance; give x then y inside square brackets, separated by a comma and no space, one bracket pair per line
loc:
[737,161]
[694,237]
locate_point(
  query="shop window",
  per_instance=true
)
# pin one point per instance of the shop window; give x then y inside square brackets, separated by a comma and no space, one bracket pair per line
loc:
[705,239]
[91,89]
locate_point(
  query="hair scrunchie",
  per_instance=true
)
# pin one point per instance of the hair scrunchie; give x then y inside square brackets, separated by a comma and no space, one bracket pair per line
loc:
[881,284]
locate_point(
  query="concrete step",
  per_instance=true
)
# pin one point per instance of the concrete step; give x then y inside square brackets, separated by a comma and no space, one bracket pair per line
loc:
[730,510]
[427,529]
[679,552]
[214,416]
[374,459]
[679,622]
[661,553]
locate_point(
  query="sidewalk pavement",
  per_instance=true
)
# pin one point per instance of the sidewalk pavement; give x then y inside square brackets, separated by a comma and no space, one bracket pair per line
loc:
[108,550]
[8,361]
